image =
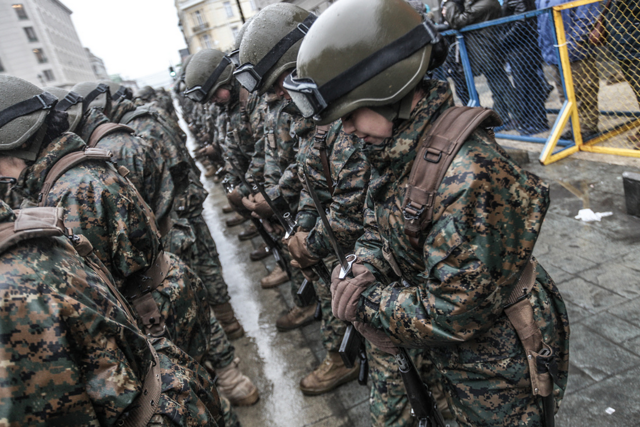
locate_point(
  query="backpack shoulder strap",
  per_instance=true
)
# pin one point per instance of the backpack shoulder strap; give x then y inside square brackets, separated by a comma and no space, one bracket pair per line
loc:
[67,162]
[436,151]
[106,129]
[31,223]
[138,112]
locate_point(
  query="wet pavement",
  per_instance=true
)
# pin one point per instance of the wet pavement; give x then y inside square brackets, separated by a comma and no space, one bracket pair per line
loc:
[596,266]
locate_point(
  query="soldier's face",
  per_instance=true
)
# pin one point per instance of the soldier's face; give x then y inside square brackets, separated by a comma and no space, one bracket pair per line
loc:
[368,125]
[281,92]
[222,96]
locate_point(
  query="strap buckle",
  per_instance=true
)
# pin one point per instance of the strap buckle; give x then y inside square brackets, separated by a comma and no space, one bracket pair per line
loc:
[45,105]
[433,152]
[412,216]
[303,28]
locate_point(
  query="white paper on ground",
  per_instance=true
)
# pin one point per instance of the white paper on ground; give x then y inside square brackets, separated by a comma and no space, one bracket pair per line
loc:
[587,215]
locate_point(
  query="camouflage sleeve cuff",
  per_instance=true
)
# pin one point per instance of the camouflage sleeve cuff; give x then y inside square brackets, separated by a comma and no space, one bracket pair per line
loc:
[306,220]
[243,190]
[369,306]
[281,204]
[273,192]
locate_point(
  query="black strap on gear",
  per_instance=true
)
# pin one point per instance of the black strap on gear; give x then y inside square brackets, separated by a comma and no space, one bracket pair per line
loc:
[213,78]
[284,45]
[43,101]
[122,90]
[378,61]
[69,101]
[102,88]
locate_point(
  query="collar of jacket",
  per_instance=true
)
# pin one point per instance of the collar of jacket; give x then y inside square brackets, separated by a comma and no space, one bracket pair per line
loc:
[31,179]
[91,120]
[121,108]
[400,149]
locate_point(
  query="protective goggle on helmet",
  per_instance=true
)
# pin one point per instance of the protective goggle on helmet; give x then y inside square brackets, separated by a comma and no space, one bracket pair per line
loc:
[250,76]
[311,100]
[199,93]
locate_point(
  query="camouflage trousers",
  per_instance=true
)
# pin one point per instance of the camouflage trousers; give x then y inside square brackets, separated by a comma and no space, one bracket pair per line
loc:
[331,328]
[206,262]
[189,321]
[296,278]
[388,402]
[230,417]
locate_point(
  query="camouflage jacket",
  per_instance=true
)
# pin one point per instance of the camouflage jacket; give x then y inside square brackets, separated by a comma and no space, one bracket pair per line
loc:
[159,133]
[448,297]
[350,172]
[76,355]
[99,204]
[287,135]
[148,170]
[256,167]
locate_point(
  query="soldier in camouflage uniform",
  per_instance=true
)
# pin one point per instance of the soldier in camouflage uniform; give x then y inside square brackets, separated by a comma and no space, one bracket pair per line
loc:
[291,134]
[62,313]
[122,230]
[446,293]
[187,205]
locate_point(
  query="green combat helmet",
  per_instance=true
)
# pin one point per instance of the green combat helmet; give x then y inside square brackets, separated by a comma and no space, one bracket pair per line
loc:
[24,108]
[270,45]
[146,93]
[208,70]
[71,102]
[235,53]
[95,95]
[375,60]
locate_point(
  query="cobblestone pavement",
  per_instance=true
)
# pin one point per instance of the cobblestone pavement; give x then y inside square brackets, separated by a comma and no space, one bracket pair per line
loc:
[596,266]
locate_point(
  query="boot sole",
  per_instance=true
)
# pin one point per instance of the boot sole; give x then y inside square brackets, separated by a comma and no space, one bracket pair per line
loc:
[259,257]
[305,323]
[346,379]
[248,400]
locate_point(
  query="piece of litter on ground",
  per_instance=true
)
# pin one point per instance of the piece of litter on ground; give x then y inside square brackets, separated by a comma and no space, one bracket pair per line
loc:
[587,215]
[609,410]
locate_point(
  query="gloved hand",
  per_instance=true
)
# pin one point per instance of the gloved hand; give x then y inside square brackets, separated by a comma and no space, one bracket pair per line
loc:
[376,337]
[259,205]
[345,293]
[299,251]
[272,227]
[235,200]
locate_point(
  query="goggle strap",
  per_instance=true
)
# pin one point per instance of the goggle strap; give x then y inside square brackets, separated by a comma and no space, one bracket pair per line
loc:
[377,62]
[284,45]
[213,78]
[120,92]
[43,101]
[102,88]
[69,101]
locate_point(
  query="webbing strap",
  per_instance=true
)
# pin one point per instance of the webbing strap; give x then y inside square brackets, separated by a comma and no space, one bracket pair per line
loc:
[321,146]
[105,129]
[31,223]
[67,162]
[141,298]
[43,101]
[436,151]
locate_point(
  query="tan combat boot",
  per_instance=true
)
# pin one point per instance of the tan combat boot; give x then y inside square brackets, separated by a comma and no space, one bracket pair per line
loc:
[236,220]
[329,375]
[260,253]
[248,233]
[297,317]
[227,209]
[227,318]
[277,277]
[236,386]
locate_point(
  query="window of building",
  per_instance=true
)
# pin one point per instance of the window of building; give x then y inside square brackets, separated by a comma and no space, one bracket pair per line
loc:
[48,75]
[19,8]
[40,56]
[31,34]
[198,18]
[228,9]
[206,41]
[234,31]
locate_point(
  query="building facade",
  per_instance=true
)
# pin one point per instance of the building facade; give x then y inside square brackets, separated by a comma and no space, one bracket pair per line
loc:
[212,23]
[97,65]
[39,43]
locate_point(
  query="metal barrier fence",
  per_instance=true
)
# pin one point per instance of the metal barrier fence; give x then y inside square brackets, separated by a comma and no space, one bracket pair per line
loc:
[552,79]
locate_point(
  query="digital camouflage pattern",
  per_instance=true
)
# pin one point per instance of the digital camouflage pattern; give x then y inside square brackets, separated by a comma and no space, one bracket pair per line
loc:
[255,170]
[188,202]
[487,217]
[102,206]
[148,171]
[69,338]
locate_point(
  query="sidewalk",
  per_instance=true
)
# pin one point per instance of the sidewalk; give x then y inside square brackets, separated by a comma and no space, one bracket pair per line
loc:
[596,267]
